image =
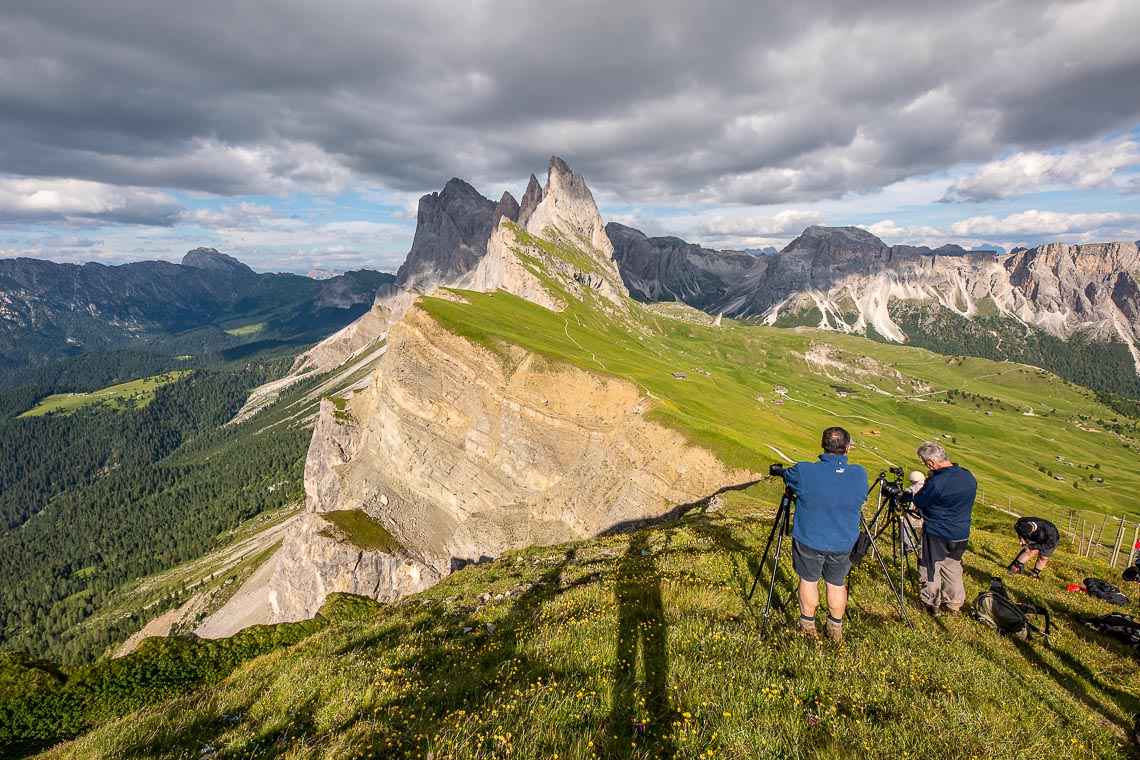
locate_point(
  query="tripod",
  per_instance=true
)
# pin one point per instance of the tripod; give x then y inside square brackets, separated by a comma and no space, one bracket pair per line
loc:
[891,518]
[781,526]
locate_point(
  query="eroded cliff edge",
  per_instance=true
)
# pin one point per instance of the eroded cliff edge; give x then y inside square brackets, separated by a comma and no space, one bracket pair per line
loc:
[462,452]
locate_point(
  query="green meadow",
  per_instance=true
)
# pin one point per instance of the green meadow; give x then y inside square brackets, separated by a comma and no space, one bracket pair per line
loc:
[1018,428]
[133,394]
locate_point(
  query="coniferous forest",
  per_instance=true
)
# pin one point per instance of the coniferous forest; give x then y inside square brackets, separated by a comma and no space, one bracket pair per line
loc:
[94,499]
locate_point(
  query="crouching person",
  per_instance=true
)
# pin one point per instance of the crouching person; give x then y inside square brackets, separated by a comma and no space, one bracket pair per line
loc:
[1038,538]
[829,499]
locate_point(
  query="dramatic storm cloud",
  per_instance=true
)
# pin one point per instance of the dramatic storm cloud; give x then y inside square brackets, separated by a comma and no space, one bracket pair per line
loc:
[208,114]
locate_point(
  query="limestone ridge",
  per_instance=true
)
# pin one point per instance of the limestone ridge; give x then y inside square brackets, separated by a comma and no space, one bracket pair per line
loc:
[560,228]
[853,279]
[461,455]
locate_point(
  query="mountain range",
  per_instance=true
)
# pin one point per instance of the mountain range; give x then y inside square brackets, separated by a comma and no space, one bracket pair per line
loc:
[208,303]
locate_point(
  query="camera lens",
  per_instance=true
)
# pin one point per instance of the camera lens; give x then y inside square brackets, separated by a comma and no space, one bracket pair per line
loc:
[776,470]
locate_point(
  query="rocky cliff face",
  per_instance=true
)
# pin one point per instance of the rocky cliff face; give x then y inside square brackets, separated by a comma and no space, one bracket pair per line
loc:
[463,453]
[452,230]
[669,269]
[854,281]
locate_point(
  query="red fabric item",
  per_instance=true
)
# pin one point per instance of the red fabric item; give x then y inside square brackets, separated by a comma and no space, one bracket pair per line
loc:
[1074,587]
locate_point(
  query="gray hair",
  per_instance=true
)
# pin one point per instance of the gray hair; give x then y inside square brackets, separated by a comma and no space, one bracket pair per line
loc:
[934,452]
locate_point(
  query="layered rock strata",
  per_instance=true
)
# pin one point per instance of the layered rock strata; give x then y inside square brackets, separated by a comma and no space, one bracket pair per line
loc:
[463,452]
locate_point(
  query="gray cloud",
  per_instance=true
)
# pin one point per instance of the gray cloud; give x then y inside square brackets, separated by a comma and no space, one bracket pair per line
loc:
[735,102]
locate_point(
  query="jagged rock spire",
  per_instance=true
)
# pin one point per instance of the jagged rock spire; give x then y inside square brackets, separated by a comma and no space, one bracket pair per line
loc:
[530,200]
[508,207]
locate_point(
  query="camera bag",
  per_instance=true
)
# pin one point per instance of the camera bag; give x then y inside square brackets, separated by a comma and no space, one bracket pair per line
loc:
[994,608]
[1104,590]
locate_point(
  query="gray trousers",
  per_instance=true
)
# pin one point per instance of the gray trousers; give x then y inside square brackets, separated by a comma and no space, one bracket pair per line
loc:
[941,571]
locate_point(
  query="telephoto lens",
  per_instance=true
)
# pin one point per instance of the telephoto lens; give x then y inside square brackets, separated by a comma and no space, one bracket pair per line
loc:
[776,470]
[897,471]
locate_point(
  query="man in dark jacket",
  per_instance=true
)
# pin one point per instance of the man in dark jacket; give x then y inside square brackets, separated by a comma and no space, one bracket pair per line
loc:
[1038,538]
[946,501]
[829,499]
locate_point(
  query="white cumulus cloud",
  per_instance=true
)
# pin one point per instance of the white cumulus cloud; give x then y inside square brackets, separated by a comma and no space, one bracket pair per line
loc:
[1086,167]
[25,199]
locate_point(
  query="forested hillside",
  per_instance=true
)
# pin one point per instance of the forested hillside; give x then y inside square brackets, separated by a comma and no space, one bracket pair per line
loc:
[94,499]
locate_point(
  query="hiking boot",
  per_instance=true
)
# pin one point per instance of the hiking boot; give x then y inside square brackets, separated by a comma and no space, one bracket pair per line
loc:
[807,628]
[1014,568]
[929,609]
[1034,574]
[951,611]
[835,631]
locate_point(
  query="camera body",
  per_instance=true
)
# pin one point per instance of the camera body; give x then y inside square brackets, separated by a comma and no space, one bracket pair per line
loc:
[776,470]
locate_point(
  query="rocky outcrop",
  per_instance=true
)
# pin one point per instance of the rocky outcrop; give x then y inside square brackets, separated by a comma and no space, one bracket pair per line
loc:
[463,452]
[314,562]
[506,208]
[563,237]
[452,229]
[532,196]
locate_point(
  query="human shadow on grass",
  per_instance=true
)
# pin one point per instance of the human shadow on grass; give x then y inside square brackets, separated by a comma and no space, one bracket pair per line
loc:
[639,709]
[1077,681]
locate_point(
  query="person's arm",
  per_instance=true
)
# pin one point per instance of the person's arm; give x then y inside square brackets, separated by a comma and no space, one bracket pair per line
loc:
[792,478]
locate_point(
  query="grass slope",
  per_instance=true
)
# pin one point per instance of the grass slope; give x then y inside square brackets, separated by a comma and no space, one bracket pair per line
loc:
[135,394]
[1008,423]
[644,645]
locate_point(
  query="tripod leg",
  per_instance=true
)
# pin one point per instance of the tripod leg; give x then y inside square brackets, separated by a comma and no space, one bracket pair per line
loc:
[767,611]
[777,525]
[890,581]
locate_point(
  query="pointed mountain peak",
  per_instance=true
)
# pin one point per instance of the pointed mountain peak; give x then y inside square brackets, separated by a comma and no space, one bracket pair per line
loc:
[457,190]
[530,200]
[211,260]
[508,207]
[560,178]
[568,207]
[452,227]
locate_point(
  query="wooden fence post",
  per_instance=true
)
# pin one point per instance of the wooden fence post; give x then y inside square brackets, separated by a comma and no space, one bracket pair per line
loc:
[1116,545]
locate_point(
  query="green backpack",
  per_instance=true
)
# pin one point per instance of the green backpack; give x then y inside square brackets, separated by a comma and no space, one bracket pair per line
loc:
[994,609]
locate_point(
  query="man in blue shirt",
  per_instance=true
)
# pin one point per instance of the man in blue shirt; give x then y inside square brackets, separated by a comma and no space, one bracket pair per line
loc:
[829,499]
[947,503]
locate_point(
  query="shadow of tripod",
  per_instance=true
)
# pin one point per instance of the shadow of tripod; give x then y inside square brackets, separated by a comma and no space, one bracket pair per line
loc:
[782,526]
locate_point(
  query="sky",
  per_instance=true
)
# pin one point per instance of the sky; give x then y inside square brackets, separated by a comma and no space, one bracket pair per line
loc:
[296,135]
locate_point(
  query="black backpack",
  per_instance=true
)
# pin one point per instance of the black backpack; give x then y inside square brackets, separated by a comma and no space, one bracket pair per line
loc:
[1104,590]
[994,609]
[1119,626]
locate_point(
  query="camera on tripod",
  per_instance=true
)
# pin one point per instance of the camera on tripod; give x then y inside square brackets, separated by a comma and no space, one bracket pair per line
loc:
[776,470]
[894,489]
